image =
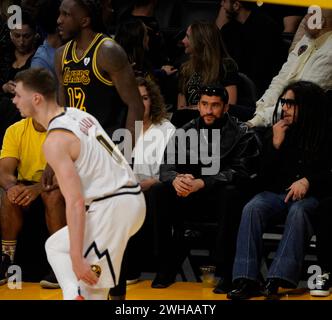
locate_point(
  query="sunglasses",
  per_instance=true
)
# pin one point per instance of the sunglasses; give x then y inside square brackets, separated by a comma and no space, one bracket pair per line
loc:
[215,91]
[288,102]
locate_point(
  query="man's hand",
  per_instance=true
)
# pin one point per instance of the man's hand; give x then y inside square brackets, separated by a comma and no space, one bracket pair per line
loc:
[181,184]
[9,87]
[279,132]
[48,179]
[185,184]
[297,190]
[196,185]
[22,195]
[83,271]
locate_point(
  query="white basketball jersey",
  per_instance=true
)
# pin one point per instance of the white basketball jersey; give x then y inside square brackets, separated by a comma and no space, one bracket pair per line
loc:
[101,166]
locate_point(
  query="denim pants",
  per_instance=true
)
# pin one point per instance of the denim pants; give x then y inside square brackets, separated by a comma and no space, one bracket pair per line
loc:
[256,216]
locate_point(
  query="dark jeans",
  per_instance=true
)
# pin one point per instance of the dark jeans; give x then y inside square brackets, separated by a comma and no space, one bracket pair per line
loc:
[170,212]
[288,260]
[323,230]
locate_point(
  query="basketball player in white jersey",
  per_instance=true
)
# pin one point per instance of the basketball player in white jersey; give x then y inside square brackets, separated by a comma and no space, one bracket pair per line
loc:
[91,173]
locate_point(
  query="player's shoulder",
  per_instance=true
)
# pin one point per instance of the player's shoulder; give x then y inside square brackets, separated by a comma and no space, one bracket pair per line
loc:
[60,50]
[64,119]
[63,123]
[109,46]
[71,118]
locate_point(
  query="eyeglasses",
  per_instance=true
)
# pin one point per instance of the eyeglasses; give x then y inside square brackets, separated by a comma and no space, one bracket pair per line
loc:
[288,102]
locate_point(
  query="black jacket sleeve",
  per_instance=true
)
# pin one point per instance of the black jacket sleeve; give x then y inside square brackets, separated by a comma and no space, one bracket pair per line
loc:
[169,166]
[242,162]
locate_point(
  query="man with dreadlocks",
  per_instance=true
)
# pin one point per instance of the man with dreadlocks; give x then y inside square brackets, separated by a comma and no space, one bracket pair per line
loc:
[93,71]
[296,163]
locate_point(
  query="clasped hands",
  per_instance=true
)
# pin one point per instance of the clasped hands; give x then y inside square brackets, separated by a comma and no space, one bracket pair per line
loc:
[23,195]
[185,184]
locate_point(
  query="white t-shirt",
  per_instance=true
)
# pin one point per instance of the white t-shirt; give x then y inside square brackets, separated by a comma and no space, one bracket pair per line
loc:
[149,150]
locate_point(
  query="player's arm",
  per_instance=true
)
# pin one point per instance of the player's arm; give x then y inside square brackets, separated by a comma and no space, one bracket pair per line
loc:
[113,60]
[61,150]
[58,70]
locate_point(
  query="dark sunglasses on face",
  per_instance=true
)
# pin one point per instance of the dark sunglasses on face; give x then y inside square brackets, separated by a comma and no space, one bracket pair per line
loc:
[288,102]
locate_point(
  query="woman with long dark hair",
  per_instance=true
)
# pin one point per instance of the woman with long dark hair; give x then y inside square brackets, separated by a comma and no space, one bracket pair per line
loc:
[133,37]
[208,63]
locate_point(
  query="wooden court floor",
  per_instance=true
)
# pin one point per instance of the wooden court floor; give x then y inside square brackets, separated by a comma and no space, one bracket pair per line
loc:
[143,291]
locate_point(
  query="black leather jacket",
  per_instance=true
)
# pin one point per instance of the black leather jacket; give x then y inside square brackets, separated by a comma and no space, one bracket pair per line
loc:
[232,149]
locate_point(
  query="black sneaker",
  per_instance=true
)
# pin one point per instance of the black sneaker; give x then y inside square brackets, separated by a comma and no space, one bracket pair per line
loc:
[49,281]
[5,263]
[323,285]
[163,280]
[271,289]
[245,289]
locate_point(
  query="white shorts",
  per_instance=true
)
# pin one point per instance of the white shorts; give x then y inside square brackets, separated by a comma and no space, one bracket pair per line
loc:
[109,225]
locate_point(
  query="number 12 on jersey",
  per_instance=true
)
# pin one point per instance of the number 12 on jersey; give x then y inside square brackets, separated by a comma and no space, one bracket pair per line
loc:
[76,98]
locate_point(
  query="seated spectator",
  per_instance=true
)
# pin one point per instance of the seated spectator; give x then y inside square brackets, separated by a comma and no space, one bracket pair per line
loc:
[143,10]
[253,40]
[208,63]
[148,155]
[45,54]
[133,37]
[296,161]
[286,17]
[4,30]
[192,179]
[146,159]
[311,60]
[17,58]
[22,153]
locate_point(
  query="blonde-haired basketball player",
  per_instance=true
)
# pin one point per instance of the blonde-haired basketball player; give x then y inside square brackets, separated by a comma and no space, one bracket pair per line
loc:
[91,174]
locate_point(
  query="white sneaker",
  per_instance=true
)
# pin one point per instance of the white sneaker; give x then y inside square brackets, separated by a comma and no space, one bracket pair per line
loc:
[323,286]
[132,281]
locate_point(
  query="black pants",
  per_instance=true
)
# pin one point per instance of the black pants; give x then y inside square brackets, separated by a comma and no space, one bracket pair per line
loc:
[323,230]
[223,203]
